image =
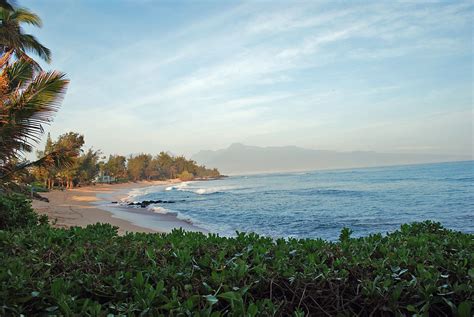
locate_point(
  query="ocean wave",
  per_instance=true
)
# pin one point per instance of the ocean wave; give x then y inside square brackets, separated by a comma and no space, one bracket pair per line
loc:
[459,179]
[164,211]
[160,210]
[181,186]
[329,192]
[185,187]
[211,190]
[131,195]
[136,194]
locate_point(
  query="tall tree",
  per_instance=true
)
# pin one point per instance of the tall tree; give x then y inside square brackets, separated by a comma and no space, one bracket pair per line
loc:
[46,173]
[116,166]
[137,166]
[28,102]
[71,142]
[88,166]
[165,163]
[29,97]
[13,40]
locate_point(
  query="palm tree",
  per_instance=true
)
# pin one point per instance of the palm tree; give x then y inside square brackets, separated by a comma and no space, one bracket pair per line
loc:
[29,97]
[14,42]
[4,4]
[29,100]
[71,143]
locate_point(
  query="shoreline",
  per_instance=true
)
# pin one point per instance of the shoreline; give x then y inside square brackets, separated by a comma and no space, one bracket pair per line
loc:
[91,204]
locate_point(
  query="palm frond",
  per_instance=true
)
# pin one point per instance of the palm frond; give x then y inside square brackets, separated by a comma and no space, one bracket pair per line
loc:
[23,15]
[18,74]
[12,36]
[4,4]
[25,113]
[58,159]
[30,44]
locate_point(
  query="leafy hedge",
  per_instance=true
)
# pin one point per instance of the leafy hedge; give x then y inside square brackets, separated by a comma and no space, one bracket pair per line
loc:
[16,212]
[420,269]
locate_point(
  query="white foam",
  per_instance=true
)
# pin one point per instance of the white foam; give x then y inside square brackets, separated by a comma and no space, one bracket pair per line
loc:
[211,190]
[138,192]
[131,195]
[163,211]
[200,191]
[185,218]
[158,209]
[180,186]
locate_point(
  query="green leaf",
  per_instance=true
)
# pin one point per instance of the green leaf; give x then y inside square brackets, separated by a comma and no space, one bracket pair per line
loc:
[229,296]
[464,309]
[52,308]
[411,308]
[252,310]
[211,299]
[471,273]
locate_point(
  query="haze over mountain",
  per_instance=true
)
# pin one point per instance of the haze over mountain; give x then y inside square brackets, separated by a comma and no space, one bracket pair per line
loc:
[240,159]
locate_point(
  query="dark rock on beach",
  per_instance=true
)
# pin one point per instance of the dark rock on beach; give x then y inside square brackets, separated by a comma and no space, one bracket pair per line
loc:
[146,203]
[41,198]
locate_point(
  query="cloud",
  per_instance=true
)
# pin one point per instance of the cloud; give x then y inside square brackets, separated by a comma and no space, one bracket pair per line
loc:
[254,69]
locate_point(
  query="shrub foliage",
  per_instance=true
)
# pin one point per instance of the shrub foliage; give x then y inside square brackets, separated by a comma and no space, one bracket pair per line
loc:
[420,269]
[16,212]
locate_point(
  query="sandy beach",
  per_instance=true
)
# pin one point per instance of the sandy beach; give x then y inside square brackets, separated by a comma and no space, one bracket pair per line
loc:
[88,205]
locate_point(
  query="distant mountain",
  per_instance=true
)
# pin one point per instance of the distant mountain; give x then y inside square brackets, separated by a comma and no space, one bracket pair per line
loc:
[240,159]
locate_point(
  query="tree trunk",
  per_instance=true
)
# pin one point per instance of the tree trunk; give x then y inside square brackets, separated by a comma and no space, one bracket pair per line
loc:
[5,57]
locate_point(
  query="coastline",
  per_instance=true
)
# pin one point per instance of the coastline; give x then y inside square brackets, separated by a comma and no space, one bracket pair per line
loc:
[91,204]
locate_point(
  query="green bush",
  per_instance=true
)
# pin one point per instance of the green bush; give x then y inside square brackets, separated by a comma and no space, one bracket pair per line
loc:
[16,212]
[420,269]
[186,176]
[39,187]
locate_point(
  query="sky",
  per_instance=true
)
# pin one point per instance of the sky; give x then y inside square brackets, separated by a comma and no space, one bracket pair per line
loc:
[184,76]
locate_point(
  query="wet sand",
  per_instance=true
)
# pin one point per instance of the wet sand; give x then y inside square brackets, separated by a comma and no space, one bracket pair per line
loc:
[88,205]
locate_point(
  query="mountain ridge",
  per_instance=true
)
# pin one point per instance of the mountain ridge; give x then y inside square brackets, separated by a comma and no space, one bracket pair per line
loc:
[239,158]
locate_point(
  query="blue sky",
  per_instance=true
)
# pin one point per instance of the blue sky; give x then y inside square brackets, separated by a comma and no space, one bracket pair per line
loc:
[183,76]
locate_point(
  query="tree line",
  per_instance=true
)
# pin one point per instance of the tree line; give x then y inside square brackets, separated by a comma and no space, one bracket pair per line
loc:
[89,165]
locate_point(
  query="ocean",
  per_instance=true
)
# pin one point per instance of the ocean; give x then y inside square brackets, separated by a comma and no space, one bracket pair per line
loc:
[319,204]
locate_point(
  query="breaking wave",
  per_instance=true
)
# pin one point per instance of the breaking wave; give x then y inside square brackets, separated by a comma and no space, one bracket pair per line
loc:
[164,211]
[190,187]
